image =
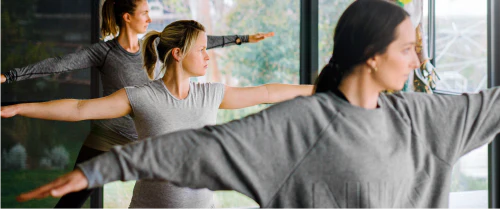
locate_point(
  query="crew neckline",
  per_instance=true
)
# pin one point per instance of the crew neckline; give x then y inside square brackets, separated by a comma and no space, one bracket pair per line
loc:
[174,97]
[347,107]
[124,50]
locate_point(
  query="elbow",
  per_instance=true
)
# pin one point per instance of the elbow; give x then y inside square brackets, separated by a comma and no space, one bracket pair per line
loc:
[310,90]
[79,114]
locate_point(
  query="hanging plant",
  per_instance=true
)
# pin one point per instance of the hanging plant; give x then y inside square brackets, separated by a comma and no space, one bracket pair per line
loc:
[403,2]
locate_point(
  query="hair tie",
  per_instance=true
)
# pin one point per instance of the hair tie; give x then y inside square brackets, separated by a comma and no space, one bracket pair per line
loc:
[333,63]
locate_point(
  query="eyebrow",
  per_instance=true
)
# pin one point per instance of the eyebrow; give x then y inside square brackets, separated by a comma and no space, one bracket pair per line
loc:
[410,43]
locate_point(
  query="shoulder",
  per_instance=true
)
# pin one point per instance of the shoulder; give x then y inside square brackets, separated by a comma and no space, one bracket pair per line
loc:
[210,87]
[103,46]
[318,103]
[151,85]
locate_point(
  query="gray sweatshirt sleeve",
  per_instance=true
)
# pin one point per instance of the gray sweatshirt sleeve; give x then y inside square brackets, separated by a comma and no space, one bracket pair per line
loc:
[453,125]
[222,41]
[253,155]
[92,56]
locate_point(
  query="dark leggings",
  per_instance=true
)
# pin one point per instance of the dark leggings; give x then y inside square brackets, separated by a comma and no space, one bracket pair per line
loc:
[77,199]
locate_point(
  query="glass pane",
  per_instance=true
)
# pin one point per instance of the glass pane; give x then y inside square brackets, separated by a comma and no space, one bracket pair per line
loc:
[329,12]
[461,45]
[461,61]
[274,60]
[34,151]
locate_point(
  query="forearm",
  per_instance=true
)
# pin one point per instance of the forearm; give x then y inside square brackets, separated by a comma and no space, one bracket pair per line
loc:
[84,58]
[159,157]
[282,92]
[60,110]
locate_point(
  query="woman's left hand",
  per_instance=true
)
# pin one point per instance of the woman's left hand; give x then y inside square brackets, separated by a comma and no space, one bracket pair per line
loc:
[260,36]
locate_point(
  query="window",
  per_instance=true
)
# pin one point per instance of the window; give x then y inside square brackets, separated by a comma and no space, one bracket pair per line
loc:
[34,151]
[275,59]
[461,45]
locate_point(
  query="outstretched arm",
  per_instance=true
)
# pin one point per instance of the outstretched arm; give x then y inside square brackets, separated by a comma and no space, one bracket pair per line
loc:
[92,56]
[253,155]
[112,106]
[242,97]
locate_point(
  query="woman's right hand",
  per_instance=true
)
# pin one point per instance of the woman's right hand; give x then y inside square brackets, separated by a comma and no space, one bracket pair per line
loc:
[3,79]
[71,182]
[9,111]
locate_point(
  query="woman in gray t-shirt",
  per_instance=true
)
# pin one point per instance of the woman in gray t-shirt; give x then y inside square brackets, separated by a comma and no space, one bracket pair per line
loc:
[168,104]
[119,64]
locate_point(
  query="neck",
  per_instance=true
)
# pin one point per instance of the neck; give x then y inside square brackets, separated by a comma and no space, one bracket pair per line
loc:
[176,81]
[360,89]
[128,40]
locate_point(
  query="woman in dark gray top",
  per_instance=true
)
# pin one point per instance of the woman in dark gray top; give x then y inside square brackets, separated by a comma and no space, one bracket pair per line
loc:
[120,64]
[347,146]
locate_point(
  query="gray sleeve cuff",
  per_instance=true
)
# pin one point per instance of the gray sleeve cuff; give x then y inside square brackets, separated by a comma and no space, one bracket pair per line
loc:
[224,41]
[102,169]
[244,38]
[11,76]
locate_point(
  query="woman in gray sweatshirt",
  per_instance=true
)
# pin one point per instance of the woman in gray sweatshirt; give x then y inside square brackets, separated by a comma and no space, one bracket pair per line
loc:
[168,104]
[347,146]
[119,64]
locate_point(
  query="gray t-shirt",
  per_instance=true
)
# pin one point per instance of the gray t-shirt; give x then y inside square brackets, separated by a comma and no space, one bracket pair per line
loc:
[320,151]
[117,68]
[156,111]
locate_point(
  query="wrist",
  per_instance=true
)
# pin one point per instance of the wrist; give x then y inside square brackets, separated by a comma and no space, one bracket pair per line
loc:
[238,40]
[19,108]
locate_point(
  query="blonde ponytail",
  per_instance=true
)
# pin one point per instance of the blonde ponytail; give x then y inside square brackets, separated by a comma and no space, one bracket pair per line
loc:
[149,51]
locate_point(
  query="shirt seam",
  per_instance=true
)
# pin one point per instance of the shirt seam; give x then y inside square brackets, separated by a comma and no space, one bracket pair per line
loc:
[413,132]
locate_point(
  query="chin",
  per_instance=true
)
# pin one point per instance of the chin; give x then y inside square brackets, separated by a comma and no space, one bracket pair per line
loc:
[395,87]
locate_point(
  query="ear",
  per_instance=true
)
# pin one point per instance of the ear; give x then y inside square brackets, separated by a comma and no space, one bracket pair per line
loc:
[126,17]
[176,54]
[372,62]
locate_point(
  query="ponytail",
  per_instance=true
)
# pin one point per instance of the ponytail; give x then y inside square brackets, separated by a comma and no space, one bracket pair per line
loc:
[329,78]
[149,51]
[109,24]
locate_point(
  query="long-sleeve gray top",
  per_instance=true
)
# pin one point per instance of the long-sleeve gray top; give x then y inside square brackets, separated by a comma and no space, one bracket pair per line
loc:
[117,68]
[320,151]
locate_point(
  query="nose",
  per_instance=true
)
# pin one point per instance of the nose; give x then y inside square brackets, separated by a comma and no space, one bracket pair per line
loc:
[149,19]
[207,56]
[415,62]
